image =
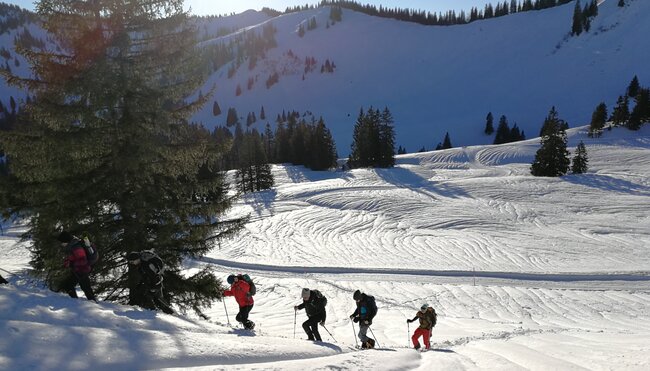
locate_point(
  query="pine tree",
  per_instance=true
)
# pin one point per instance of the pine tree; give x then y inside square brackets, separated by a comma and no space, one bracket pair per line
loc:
[489,124]
[598,119]
[446,143]
[232,117]
[254,172]
[633,87]
[108,149]
[322,148]
[580,160]
[386,133]
[578,21]
[503,131]
[216,110]
[621,3]
[621,113]
[641,112]
[552,158]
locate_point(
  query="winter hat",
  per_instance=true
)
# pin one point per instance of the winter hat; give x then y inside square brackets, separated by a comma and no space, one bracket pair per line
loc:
[64,237]
[357,295]
[424,307]
[306,293]
[132,256]
[231,279]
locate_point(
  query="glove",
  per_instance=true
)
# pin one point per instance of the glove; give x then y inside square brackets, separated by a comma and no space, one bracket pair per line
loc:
[352,316]
[295,307]
[322,323]
[356,319]
[409,321]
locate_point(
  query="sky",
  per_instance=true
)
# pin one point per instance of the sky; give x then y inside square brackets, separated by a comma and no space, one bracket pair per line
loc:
[217,7]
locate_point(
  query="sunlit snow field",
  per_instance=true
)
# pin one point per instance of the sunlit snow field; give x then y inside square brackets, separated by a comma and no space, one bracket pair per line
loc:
[524,272]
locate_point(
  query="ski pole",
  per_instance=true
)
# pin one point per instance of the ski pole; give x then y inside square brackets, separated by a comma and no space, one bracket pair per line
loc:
[408,333]
[295,314]
[328,331]
[226,309]
[373,335]
[354,332]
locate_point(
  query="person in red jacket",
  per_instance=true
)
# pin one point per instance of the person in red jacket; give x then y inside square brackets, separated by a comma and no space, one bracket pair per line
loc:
[240,289]
[79,268]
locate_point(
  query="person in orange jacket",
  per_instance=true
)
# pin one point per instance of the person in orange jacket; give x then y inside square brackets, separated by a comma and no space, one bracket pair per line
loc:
[240,289]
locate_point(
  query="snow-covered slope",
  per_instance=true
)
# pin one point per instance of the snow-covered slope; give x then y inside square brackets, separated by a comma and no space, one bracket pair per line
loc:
[445,79]
[524,272]
[433,79]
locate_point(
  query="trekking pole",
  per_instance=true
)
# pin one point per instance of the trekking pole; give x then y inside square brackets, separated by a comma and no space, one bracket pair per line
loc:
[408,334]
[373,335]
[354,332]
[295,315]
[328,331]
[226,309]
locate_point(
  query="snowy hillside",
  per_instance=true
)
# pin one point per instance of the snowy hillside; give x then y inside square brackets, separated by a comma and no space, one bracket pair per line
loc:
[433,79]
[438,79]
[524,272]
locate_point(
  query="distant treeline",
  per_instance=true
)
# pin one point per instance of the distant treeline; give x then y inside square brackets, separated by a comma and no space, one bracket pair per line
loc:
[438,19]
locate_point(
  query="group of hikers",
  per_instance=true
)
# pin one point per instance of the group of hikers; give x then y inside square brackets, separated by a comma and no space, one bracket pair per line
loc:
[314,303]
[79,257]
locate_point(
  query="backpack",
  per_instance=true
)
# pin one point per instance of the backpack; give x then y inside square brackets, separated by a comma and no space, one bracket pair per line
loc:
[92,254]
[433,317]
[320,298]
[153,261]
[372,305]
[249,281]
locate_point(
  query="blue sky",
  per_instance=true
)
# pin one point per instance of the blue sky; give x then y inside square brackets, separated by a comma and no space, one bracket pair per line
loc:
[207,7]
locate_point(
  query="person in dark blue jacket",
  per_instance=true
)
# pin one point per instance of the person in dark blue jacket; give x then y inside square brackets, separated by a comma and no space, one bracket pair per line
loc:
[366,311]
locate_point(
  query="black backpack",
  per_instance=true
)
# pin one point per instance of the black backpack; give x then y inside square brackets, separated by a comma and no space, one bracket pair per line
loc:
[252,290]
[149,257]
[320,298]
[372,305]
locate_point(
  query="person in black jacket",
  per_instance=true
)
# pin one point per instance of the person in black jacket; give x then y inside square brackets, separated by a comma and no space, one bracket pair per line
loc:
[366,311]
[314,304]
[150,268]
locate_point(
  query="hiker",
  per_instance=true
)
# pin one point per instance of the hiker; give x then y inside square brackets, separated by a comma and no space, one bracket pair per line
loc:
[365,312]
[77,261]
[427,317]
[150,268]
[240,289]
[314,304]
[3,281]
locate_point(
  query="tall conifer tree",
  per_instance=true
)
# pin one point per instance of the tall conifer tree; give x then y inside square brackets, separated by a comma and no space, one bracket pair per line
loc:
[108,149]
[552,158]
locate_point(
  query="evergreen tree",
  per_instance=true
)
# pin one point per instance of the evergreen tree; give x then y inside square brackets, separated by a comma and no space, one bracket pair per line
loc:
[641,112]
[503,131]
[633,87]
[489,124]
[580,160]
[578,21]
[216,110]
[232,117]
[322,149]
[108,149]
[552,158]
[598,119]
[254,172]
[621,3]
[386,133]
[621,113]
[446,143]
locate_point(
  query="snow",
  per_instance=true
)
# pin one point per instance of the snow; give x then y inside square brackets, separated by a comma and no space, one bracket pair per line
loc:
[524,272]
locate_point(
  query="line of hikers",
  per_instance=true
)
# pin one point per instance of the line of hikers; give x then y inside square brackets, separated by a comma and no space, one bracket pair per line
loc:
[81,255]
[314,303]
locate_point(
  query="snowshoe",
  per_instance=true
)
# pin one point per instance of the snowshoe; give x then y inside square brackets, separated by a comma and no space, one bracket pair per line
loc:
[250,325]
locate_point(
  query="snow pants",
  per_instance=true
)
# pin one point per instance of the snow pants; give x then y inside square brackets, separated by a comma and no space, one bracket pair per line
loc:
[83,280]
[311,328]
[242,316]
[425,333]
